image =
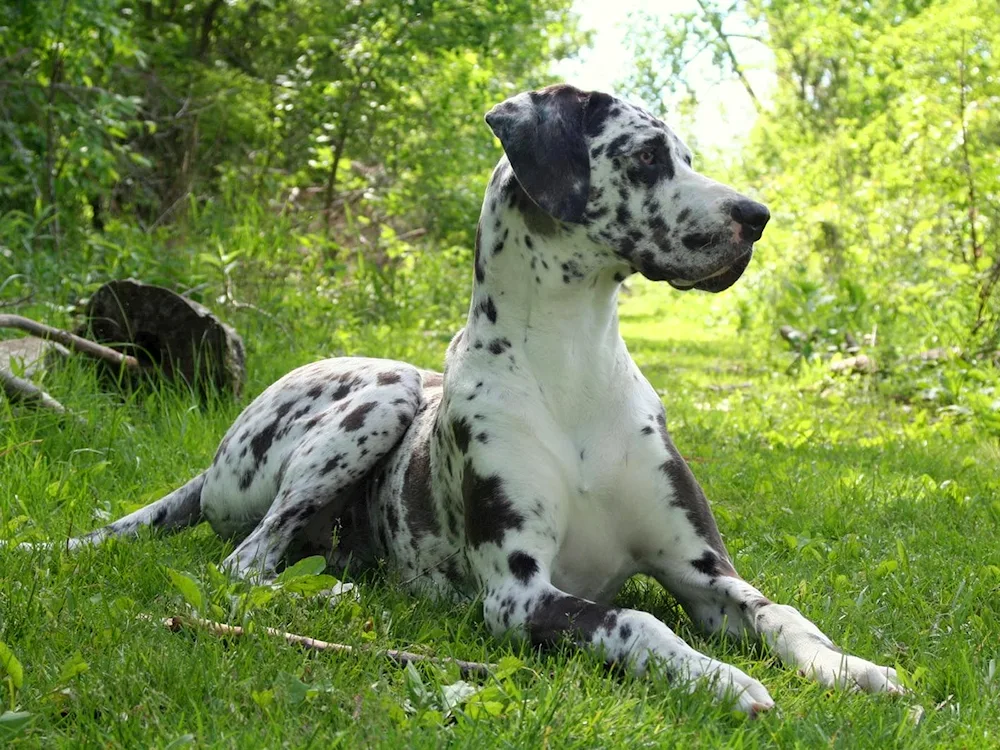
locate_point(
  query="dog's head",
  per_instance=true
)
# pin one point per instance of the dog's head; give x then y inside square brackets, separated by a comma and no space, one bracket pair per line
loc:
[589,159]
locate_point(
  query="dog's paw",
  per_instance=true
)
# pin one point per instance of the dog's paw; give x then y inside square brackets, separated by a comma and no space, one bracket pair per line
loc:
[832,668]
[730,685]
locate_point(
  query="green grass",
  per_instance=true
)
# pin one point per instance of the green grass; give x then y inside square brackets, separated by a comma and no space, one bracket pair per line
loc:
[878,522]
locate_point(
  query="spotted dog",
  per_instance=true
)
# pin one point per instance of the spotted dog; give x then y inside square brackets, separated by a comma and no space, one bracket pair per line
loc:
[537,472]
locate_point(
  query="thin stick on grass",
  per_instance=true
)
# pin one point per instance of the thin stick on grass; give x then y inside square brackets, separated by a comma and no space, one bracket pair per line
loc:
[67,339]
[402,658]
[21,391]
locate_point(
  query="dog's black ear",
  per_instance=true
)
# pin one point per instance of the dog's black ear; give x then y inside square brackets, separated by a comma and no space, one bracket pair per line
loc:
[542,133]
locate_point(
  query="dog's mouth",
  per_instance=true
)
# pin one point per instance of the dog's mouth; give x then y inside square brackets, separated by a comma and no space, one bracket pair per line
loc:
[719,280]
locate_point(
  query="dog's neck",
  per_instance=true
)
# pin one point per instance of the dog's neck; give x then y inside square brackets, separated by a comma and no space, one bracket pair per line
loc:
[542,289]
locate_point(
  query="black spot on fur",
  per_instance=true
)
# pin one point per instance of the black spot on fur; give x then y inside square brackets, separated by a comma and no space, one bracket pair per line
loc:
[463,435]
[480,268]
[618,145]
[683,215]
[392,520]
[697,241]
[356,419]
[342,392]
[488,511]
[657,224]
[528,242]
[688,494]
[260,444]
[246,479]
[416,494]
[556,617]
[707,564]
[499,346]
[488,309]
[571,270]
[522,566]
[315,392]
[596,213]
[388,378]
[332,464]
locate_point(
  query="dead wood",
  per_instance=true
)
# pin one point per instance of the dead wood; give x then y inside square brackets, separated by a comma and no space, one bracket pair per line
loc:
[467,668]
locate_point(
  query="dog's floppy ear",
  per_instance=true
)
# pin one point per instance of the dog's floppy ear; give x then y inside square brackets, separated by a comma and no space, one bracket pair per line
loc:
[542,133]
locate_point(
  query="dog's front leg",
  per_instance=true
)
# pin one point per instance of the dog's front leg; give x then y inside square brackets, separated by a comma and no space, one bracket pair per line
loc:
[525,603]
[699,573]
[718,599]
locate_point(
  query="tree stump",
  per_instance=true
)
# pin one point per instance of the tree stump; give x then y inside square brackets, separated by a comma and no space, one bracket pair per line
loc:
[170,335]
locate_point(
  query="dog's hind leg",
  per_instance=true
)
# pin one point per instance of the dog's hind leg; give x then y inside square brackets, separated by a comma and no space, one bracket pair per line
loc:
[176,510]
[327,468]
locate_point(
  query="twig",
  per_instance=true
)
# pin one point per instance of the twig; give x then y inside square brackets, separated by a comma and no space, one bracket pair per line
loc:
[467,668]
[14,447]
[22,391]
[715,20]
[68,339]
[15,302]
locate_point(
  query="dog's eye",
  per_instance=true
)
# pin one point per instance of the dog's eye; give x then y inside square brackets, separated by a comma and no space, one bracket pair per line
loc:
[647,157]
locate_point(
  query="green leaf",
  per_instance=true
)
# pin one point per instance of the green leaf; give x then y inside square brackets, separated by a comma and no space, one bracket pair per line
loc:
[309,566]
[415,687]
[291,688]
[188,588]
[886,567]
[309,585]
[74,666]
[508,666]
[12,723]
[263,698]
[10,666]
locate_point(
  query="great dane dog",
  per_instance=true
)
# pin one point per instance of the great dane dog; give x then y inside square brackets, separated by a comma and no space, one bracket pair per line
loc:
[537,472]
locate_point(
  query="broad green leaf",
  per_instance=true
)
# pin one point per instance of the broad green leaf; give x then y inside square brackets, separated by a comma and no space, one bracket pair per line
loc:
[188,588]
[308,566]
[10,666]
[74,666]
[12,723]
[291,688]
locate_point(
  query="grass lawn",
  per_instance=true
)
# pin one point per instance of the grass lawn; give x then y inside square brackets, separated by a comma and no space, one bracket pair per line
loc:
[879,522]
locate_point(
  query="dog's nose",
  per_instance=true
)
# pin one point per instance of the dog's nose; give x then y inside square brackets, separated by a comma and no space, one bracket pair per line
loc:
[752,217]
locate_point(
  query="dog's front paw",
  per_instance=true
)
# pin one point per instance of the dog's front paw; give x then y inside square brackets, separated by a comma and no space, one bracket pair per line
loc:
[833,668]
[728,683]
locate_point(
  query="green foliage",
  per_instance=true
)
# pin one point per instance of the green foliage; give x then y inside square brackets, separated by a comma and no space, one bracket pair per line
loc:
[327,158]
[113,111]
[876,520]
[880,159]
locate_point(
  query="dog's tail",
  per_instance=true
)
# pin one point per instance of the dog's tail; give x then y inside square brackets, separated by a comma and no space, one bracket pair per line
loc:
[177,510]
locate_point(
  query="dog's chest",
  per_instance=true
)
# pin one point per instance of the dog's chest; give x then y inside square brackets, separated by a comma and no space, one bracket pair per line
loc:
[599,528]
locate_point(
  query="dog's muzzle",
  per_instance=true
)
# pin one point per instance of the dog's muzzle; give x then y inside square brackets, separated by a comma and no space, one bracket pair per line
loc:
[718,281]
